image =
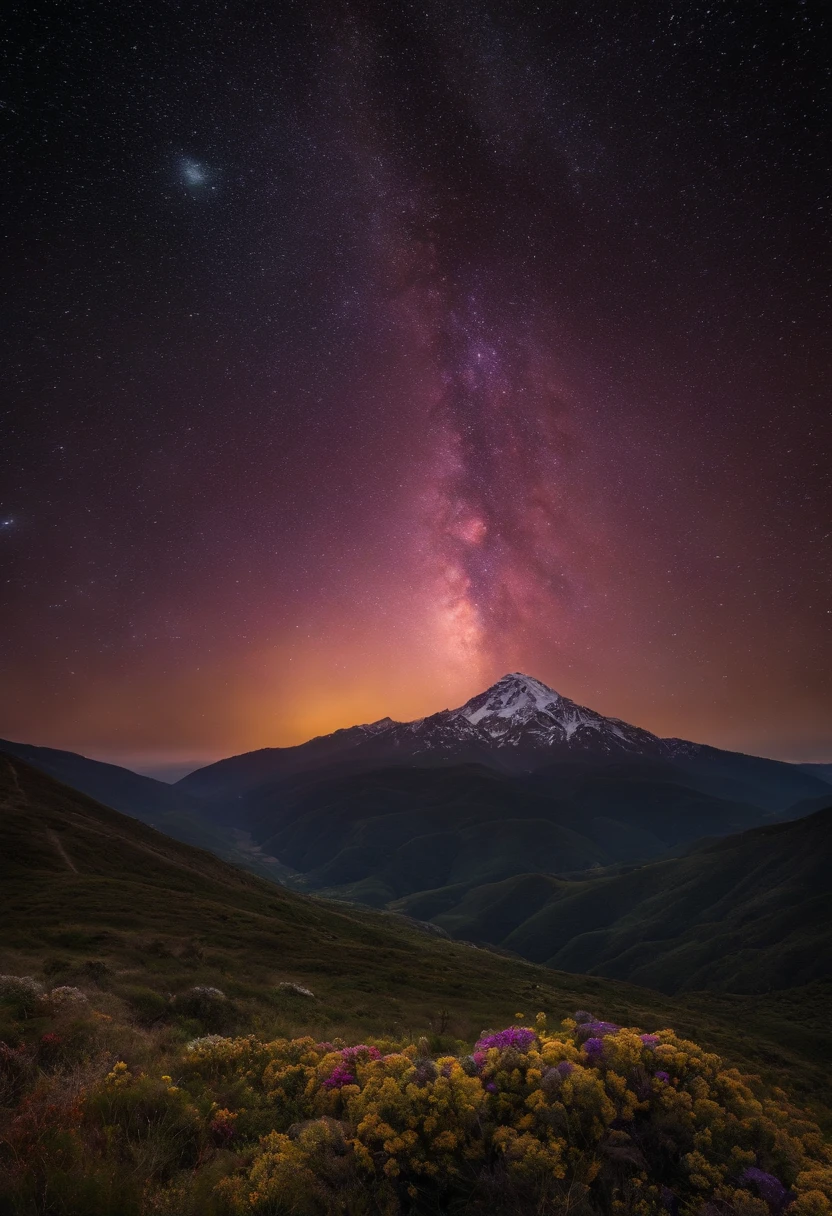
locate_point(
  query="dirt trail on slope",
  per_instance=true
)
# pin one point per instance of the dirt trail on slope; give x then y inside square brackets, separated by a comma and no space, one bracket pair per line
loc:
[16,781]
[58,843]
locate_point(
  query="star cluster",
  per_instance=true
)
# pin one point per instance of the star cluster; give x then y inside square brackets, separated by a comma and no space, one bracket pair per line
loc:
[360,352]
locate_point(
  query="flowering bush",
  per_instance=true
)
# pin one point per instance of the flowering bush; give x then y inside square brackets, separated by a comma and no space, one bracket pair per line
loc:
[609,1121]
[65,996]
[208,1005]
[515,1036]
[22,992]
[594,1120]
[295,989]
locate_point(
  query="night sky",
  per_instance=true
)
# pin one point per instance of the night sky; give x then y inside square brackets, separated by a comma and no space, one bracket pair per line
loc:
[358,353]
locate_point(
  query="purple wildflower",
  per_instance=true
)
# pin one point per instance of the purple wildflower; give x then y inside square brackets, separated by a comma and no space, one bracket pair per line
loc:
[769,1188]
[491,1087]
[650,1040]
[339,1077]
[594,1048]
[518,1037]
[564,1068]
[663,1076]
[351,1053]
[595,1030]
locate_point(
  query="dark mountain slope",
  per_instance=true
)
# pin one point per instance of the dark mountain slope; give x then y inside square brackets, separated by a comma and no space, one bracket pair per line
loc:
[824,771]
[169,809]
[120,788]
[380,835]
[771,784]
[745,914]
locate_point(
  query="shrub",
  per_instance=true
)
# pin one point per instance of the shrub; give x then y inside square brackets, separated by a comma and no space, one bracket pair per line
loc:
[17,1072]
[148,1005]
[210,1006]
[601,1122]
[65,996]
[296,990]
[21,993]
[593,1120]
[149,1122]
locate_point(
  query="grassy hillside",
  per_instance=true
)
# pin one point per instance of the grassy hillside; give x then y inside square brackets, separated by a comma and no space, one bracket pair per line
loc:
[98,900]
[168,808]
[746,914]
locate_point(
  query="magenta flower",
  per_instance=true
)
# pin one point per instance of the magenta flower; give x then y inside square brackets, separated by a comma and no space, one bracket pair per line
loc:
[351,1053]
[339,1077]
[518,1037]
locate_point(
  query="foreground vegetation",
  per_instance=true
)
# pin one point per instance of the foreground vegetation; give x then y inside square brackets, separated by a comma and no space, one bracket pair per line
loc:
[104,1119]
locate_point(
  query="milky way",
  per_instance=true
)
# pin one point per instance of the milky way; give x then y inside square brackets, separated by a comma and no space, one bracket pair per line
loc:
[497,521]
[360,353]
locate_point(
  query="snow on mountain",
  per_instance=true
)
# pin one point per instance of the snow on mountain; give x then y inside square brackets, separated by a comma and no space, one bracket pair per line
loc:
[515,697]
[518,714]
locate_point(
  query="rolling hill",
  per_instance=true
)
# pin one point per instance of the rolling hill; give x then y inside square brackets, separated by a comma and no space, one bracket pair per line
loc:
[380,835]
[749,913]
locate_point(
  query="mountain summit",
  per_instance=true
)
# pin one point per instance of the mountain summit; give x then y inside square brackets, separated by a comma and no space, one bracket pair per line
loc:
[514,696]
[519,710]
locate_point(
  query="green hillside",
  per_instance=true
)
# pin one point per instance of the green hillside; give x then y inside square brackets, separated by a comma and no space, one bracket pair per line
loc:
[168,808]
[749,913]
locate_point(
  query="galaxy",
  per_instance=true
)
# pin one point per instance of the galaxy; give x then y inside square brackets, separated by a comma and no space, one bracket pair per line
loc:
[357,354]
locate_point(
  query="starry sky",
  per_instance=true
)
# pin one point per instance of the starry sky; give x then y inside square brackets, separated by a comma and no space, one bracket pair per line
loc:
[357,353]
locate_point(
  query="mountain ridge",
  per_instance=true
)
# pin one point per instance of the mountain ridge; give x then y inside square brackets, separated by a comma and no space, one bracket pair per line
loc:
[518,724]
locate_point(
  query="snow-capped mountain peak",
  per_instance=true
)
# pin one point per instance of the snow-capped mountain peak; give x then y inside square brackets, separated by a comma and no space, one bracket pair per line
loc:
[519,712]
[515,697]
[517,722]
